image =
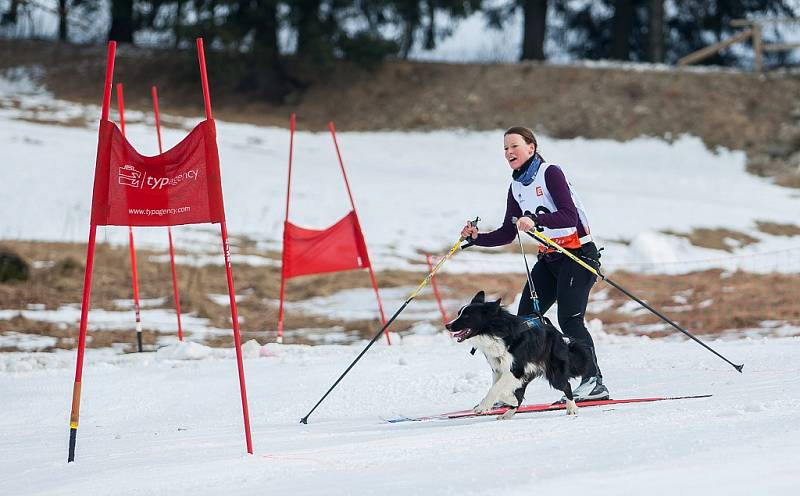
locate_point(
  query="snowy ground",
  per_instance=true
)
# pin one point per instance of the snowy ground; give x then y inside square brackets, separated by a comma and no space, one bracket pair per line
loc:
[169,422]
[159,424]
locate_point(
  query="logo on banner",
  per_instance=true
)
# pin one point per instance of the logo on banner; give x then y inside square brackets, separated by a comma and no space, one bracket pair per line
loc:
[129,176]
[539,191]
[133,178]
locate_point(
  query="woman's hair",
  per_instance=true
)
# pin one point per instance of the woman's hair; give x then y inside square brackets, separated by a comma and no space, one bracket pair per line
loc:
[526,134]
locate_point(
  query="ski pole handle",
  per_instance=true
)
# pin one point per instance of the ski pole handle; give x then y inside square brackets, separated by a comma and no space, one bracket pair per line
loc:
[470,240]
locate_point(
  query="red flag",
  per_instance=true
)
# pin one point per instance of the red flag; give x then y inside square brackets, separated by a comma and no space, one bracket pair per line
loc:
[180,186]
[309,251]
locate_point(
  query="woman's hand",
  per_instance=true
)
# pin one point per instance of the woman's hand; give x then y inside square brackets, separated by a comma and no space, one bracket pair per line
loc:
[525,224]
[469,231]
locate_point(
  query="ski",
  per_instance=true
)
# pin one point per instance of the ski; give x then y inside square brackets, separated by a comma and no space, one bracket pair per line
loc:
[543,407]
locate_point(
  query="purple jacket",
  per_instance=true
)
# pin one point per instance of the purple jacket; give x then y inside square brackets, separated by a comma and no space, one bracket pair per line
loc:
[566,215]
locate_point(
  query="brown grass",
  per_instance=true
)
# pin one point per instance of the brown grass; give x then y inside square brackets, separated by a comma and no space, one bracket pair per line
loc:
[732,300]
[716,301]
[777,229]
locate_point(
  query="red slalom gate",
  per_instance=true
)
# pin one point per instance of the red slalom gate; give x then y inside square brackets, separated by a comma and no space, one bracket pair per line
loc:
[175,290]
[132,247]
[338,248]
[179,186]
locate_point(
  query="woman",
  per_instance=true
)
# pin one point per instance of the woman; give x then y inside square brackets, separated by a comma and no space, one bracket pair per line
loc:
[541,197]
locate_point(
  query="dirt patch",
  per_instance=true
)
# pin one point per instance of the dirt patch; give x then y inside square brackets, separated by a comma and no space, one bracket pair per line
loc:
[777,229]
[717,239]
[706,302]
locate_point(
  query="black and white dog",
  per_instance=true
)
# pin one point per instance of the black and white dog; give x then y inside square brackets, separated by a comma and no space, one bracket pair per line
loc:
[519,350]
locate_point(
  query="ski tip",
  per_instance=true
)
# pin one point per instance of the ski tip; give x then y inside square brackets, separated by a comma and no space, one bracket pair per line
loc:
[739,368]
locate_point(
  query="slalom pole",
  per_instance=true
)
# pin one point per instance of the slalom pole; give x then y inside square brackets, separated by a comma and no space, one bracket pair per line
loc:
[226,253]
[134,271]
[175,291]
[413,295]
[292,125]
[372,279]
[436,290]
[541,238]
[74,415]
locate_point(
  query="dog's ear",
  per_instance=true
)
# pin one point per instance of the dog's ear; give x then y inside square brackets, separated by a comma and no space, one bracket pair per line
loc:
[480,297]
[496,305]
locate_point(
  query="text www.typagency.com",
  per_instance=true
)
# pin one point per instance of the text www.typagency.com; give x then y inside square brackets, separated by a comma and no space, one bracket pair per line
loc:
[158,212]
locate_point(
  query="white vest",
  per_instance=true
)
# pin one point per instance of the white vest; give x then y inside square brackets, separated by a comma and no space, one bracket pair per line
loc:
[536,198]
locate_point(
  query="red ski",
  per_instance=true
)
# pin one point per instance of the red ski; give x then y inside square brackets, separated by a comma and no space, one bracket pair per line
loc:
[544,407]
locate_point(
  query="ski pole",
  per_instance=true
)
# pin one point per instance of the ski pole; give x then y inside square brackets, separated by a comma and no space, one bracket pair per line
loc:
[413,295]
[541,238]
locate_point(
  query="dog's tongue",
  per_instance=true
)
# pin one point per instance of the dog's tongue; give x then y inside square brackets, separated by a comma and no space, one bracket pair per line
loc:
[461,335]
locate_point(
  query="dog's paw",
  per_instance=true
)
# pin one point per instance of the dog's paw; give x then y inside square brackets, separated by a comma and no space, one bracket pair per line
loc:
[508,414]
[572,408]
[483,407]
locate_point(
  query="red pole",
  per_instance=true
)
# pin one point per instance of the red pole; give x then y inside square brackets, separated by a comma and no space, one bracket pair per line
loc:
[175,291]
[292,125]
[112,50]
[204,77]
[154,94]
[227,254]
[352,204]
[76,388]
[236,336]
[87,279]
[436,290]
[134,272]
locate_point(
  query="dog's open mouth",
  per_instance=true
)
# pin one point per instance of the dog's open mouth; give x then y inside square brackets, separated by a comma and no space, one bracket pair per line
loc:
[462,334]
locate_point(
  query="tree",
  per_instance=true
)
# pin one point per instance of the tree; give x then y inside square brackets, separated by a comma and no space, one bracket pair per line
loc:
[122,25]
[534,13]
[655,32]
[622,30]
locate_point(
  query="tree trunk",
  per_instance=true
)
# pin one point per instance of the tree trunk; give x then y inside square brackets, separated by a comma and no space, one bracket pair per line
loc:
[62,20]
[312,44]
[656,32]
[177,27]
[534,29]
[622,26]
[10,16]
[269,74]
[121,29]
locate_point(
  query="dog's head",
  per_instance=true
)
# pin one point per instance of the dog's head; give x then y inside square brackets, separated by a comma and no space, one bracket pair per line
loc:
[474,318]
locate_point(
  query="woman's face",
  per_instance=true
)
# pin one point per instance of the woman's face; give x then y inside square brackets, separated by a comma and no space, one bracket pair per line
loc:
[517,151]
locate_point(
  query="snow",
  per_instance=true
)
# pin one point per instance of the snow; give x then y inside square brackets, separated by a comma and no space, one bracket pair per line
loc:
[170,422]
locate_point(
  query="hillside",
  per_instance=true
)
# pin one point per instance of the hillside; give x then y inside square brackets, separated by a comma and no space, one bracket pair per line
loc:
[737,110]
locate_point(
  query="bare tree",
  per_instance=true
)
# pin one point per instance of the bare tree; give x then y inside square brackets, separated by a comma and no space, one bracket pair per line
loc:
[534,31]
[622,27]
[121,21]
[655,36]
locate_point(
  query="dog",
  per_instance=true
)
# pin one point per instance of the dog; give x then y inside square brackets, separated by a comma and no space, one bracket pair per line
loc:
[519,350]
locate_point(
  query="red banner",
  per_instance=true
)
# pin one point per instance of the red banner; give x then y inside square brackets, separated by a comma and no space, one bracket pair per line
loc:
[179,186]
[309,251]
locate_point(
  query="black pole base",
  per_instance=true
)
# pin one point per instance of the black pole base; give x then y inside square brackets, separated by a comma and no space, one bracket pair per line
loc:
[139,341]
[304,420]
[739,368]
[73,431]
